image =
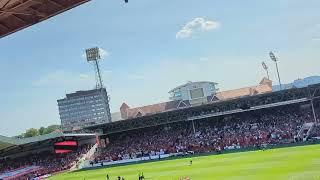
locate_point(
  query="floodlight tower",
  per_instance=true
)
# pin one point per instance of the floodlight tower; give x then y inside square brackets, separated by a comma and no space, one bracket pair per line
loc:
[265,67]
[273,58]
[93,55]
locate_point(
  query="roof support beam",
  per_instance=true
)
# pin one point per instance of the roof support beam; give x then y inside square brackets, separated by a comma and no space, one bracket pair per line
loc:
[4,3]
[19,7]
[4,27]
[56,4]
[23,13]
[19,19]
[36,12]
[19,14]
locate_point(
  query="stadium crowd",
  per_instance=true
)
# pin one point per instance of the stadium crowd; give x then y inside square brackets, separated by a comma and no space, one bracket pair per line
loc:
[244,130]
[251,129]
[213,107]
[315,131]
[48,162]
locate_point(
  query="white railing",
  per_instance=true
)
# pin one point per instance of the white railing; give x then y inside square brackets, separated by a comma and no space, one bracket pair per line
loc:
[81,162]
[310,130]
[305,126]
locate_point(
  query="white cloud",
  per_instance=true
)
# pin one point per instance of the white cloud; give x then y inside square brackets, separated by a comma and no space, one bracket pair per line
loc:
[197,24]
[83,55]
[103,53]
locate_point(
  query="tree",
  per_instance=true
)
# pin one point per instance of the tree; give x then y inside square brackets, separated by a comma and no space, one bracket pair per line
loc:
[51,129]
[42,131]
[31,132]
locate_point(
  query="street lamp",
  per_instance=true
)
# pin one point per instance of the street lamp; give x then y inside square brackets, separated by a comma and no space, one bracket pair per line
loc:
[265,67]
[273,58]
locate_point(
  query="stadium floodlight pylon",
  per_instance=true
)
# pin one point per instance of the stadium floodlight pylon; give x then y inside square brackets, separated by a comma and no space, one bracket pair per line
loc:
[265,67]
[93,55]
[274,59]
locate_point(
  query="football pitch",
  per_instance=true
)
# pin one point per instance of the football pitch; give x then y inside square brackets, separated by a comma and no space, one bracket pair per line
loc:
[301,162]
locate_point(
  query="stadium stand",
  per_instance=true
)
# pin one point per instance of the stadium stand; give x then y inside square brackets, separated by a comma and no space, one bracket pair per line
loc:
[242,130]
[217,108]
[265,86]
[250,121]
[255,121]
[42,155]
[315,132]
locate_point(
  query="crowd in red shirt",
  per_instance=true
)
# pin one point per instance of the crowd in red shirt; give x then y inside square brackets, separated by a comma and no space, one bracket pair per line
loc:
[250,129]
[236,131]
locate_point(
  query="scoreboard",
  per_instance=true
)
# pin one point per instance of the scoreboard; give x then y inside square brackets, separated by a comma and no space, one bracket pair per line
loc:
[65,147]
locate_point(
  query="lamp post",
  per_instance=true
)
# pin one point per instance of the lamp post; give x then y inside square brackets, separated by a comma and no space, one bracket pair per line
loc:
[311,96]
[265,67]
[273,58]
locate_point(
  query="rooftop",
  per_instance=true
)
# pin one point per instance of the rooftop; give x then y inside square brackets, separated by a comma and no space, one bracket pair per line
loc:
[7,142]
[190,82]
[19,14]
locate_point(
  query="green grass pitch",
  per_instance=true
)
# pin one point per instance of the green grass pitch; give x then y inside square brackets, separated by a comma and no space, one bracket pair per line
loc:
[286,163]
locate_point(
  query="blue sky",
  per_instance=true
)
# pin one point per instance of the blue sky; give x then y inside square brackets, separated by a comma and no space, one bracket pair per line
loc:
[221,41]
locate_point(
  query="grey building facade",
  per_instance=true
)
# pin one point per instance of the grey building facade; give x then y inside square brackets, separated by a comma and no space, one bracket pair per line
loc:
[84,108]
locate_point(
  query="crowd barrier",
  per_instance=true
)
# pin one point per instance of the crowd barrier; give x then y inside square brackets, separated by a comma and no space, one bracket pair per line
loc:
[125,161]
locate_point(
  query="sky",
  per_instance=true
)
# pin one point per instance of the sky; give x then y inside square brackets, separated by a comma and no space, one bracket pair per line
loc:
[150,47]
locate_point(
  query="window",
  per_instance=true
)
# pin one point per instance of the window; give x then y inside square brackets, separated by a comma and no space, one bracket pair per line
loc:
[196,93]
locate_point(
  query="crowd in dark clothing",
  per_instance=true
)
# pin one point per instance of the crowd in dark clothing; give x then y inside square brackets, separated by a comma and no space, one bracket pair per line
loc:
[49,162]
[242,130]
[315,133]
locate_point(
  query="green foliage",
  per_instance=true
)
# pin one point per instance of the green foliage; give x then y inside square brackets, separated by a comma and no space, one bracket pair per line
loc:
[52,128]
[38,132]
[42,131]
[31,132]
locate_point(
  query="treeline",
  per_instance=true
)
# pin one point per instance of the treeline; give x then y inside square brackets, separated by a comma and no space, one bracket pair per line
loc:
[41,131]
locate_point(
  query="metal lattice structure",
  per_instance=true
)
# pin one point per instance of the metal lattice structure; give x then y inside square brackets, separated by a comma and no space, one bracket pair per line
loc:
[93,56]
[19,14]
